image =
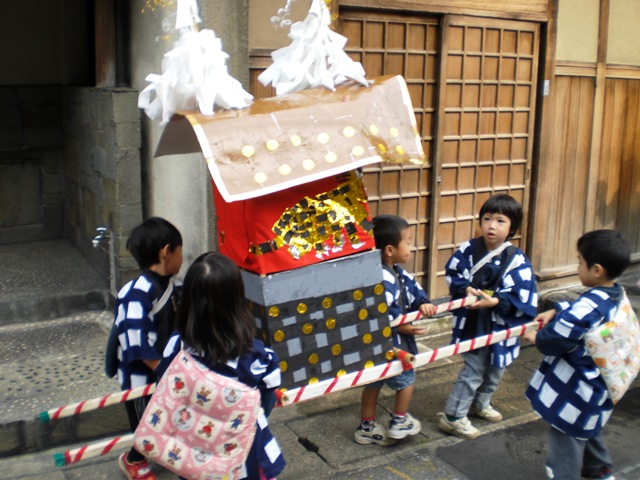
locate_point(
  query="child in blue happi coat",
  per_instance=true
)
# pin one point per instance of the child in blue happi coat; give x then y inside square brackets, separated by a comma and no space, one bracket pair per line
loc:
[144,314]
[568,391]
[216,326]
[500,275]
[403,294]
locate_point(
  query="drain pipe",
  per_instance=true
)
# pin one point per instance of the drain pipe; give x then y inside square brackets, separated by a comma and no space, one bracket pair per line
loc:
[104,234]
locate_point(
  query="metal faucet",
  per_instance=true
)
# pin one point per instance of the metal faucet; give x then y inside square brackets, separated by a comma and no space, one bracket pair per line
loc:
[103,234]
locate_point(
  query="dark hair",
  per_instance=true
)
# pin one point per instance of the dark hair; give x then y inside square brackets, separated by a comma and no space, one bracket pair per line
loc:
[147,239]
[387,230]
[213,317]
[504,205]
[607,248]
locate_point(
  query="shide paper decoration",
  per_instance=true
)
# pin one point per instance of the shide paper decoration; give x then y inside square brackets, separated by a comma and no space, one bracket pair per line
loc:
[315,57]
[194,73]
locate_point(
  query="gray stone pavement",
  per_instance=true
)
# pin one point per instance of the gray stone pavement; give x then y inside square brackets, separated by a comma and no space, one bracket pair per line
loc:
[50,363]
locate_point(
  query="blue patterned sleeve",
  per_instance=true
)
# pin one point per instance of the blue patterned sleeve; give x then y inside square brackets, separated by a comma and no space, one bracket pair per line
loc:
[457,271]
[266,368]
[517,292]
[416,293]
[564,333]
[136,331]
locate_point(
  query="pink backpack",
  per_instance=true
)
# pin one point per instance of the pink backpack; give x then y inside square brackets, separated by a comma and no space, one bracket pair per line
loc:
[199,424]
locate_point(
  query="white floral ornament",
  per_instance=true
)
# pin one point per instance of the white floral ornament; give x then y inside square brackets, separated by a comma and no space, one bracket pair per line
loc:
[315,57]
[194,74]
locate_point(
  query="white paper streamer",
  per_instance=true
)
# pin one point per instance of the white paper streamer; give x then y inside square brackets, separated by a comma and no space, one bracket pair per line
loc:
[315,57]
[194,73]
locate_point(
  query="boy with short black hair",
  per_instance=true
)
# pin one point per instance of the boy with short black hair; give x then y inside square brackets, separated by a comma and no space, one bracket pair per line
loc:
[145,310]
[403,294]
[568,391]
[502,278]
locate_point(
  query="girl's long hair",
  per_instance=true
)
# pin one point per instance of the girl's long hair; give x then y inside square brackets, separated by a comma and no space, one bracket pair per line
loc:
[214,318]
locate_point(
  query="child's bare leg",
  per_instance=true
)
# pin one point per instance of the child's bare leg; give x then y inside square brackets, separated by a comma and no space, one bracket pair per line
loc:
[369,402]
[403,399]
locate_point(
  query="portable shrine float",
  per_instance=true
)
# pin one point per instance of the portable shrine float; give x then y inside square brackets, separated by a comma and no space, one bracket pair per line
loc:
[292,213]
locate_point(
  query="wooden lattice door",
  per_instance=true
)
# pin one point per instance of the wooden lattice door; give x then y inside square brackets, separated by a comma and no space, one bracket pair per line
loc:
[485,127]
[401,44]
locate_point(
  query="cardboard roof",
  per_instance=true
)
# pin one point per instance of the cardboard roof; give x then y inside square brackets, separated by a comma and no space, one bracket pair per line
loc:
[289,140]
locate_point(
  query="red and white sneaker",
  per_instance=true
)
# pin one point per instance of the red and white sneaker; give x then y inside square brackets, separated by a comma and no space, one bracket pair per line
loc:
[136,471]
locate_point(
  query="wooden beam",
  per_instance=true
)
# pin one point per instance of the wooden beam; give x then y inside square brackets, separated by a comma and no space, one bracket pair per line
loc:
[436,179]
[531,10]
[598,114]
[544,188]
[105,26]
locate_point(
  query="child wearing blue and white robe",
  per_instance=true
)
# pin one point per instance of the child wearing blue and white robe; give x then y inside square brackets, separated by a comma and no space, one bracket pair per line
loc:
[502,278]
[259,369]
[516,291]
[567,390]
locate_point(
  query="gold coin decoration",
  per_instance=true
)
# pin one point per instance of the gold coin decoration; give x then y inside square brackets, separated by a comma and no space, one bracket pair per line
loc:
[382,148]
[368,364]
[400,150]
[349,132]
[248,151]
[313,380]
[363,314]
[378,289]
[327,302]
[341,373]
[386,332]
[278,335]
[283,366]
[357,295]
[284,169]
[307,328]
[331,157]
[382,307]
[274,311]
[336,350]
[272,144]
[367,338]
[330,323]
[295,140]
[390,355]
[313,358]
[302,308]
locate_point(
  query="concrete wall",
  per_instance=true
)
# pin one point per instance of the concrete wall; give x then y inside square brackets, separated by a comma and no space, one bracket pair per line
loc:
[31,177]
[178,187]
[101,138]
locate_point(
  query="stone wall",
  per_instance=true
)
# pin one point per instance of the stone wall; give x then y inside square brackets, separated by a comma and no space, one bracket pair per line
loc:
[31,176]
[101,138]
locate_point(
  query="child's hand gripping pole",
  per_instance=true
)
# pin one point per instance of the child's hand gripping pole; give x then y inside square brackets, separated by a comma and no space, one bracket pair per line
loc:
[408,360]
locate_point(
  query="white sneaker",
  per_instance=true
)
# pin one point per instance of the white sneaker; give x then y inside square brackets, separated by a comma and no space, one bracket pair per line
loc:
[377,435]
[460,428]
[402,429]
[488,413]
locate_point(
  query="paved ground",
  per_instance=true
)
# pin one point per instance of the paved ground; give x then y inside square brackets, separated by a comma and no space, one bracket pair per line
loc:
[49,363]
